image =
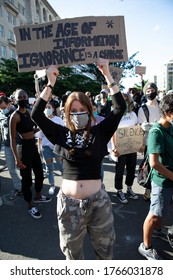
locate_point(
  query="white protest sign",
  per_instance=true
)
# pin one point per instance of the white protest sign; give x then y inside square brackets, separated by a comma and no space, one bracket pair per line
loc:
[116,73]
[140,70]
[129,139]
[71,41]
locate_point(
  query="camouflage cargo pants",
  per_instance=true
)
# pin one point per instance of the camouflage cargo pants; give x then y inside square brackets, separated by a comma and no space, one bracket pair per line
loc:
[77,217]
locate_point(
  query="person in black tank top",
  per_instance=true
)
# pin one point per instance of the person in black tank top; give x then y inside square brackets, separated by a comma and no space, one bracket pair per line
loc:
[26,155]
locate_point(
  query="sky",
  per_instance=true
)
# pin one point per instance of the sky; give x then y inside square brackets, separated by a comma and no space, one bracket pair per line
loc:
[148,25]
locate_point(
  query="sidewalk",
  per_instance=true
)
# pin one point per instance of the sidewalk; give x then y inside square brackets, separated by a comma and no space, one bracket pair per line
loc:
[23,237]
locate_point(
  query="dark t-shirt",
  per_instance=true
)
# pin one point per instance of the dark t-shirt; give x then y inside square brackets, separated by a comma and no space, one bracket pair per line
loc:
[81,160]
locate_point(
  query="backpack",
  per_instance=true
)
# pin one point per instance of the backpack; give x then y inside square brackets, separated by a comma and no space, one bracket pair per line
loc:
[144,172]
[146,111]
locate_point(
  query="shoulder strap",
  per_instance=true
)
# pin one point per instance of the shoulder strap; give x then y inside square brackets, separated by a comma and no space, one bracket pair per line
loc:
[146,111]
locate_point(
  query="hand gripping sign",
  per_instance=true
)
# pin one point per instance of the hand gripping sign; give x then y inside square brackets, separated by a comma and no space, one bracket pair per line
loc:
[71,41]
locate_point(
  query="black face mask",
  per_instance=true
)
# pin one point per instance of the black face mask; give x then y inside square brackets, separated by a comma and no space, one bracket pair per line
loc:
[151,96]
[23,103]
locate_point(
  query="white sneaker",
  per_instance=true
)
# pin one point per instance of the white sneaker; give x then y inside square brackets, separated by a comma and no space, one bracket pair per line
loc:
[1,202]
[149,254]
[51,190]
[34,213]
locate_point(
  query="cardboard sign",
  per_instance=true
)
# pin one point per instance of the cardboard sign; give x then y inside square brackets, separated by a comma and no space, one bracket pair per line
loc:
[116,73]
[70,41]
[140,70]
[129,139]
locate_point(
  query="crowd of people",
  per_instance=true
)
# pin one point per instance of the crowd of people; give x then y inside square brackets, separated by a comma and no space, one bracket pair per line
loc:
[75,133]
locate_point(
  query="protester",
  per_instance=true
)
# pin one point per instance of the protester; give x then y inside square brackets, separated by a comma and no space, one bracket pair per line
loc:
[148,115]
[160,150]
[127,161]
[88,93]
[105,104]
[46,148]
[136,99]
[83,206]
[62,104]
[5,113]
[26,155]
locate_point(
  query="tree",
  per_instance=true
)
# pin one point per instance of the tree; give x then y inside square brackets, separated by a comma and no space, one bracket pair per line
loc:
[127,67]
[10,78]
[83,77]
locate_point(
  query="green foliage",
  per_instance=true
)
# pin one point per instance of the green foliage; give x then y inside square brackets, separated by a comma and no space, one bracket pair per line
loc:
[69,79]
[10,78]
[127,67]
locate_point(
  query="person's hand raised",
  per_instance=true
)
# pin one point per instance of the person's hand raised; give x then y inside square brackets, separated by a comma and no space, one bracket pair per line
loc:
[52,73]
[103,65]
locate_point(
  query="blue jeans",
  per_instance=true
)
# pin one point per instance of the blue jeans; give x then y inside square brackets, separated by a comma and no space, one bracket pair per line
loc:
[47,155]
[14,172]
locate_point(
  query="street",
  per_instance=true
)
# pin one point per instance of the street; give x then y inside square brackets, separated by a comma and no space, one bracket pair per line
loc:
[25,238]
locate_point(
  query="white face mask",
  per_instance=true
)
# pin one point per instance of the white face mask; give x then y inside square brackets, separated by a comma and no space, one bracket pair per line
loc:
[80,119]
[48,112]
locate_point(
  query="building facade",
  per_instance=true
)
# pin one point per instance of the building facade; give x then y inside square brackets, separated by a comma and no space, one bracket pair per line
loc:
[21,12]
[165,77]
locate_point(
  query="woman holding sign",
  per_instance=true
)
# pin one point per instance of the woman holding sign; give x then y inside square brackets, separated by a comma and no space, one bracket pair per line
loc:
[83,206]
[128,160]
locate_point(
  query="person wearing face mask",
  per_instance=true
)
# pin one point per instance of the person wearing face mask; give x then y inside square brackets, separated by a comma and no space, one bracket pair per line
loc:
[160,151]
[46,148]
[97,118]
[148,114]
[105,104]
[83,206]
[5,112]
[26,155]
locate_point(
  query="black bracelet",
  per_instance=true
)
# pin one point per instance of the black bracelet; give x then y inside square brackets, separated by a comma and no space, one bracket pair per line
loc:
[112,85]
[50,86]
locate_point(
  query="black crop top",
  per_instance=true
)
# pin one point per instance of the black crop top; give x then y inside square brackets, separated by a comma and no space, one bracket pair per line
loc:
[26,124]
[85,162]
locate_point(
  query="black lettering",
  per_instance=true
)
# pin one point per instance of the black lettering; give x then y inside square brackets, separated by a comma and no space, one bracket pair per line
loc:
[40,59]
[87,27]
[111,54]
[74,31]
[34,59]
[24,57]
[95,55]
[43,32]
[87,41]
[12,272]
[25,34]
[138,131]
[69,29]
[121,132]
[131,132]
[59,31]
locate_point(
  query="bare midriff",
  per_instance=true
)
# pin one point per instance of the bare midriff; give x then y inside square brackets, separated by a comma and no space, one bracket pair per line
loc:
[81,189]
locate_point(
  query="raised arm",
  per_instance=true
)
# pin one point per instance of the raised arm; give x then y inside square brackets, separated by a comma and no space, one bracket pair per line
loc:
[52,73]
[103,65]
